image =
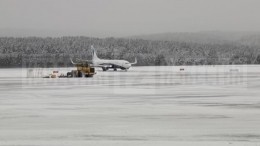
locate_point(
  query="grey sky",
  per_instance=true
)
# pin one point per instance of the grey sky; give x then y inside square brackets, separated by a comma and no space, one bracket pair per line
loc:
[126,17]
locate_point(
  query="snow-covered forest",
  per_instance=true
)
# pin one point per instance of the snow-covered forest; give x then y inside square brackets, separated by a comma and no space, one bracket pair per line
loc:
[55,52]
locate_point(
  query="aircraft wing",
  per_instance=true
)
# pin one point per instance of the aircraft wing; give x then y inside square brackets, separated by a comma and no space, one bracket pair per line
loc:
[104,65]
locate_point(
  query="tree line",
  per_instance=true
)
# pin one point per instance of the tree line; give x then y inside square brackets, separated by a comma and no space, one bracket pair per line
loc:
[55,52]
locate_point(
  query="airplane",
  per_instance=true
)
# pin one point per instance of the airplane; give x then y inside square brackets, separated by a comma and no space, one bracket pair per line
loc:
[107,64]
[110,64]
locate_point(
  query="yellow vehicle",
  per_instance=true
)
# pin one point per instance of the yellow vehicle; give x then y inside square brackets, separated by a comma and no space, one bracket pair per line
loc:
[83,70]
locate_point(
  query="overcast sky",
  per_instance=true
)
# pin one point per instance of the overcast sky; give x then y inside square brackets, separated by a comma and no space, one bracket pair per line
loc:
[102,18]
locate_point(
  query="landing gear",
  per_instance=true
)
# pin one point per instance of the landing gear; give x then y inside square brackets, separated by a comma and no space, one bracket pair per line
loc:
[115,69]
[104,68]
[69,74]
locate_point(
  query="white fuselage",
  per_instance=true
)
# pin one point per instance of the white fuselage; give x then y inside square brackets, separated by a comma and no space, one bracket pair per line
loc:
[107,64]
[123,64]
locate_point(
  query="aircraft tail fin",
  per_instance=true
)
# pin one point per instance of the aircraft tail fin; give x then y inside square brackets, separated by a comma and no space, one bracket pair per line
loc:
[134,62]
[94,54]
[72,61]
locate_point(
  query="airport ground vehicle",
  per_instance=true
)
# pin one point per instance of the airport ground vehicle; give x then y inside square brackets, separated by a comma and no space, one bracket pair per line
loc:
[83,70]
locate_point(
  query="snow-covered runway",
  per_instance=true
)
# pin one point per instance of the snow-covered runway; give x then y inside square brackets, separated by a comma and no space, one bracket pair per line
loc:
[202,105]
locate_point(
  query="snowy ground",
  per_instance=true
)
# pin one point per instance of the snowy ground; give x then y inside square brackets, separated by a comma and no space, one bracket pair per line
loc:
[202,105]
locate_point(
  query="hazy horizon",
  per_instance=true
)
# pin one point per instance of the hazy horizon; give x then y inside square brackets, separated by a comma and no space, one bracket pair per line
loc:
[121,18]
